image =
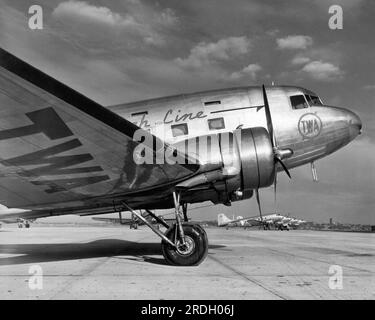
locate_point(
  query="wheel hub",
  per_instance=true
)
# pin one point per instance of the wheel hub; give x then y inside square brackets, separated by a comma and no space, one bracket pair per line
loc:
[186,248]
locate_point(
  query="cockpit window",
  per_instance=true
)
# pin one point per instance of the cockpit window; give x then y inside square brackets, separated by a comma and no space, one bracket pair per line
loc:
[309,99]
[298,102]
[315,101]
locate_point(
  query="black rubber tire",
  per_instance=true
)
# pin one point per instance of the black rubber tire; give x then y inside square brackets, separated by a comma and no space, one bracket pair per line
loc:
[199,253]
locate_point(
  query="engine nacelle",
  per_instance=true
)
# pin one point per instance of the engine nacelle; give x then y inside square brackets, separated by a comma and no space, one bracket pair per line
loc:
[234,163]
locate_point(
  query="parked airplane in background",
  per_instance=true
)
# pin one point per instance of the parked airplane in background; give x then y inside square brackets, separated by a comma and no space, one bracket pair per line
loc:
[294,223]
[279,221]
[12,216]
[286,223]
[224,221]
[283,224]
[62,153]
[269,220]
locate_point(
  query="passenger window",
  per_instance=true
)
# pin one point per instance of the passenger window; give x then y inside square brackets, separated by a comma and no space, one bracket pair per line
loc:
[210,103]
[216,124]
[298,102]
[179,129]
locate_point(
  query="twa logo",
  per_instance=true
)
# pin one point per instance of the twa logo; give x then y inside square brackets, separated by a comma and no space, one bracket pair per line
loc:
[309,125]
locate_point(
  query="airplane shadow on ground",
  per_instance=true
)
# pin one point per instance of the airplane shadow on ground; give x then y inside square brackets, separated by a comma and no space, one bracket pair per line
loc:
[50,252]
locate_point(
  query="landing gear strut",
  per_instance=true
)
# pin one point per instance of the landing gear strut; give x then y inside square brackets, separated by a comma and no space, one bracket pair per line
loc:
[183,244]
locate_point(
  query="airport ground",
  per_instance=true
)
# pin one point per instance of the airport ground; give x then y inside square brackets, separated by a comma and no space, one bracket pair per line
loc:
[114,262]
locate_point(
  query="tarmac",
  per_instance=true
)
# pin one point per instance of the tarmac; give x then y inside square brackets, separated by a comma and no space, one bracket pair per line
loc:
[114,262]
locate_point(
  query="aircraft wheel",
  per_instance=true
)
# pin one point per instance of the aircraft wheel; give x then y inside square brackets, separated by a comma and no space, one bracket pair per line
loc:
[195,250]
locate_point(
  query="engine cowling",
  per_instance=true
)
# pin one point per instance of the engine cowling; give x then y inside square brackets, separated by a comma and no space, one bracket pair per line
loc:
[234,163]
[257,159]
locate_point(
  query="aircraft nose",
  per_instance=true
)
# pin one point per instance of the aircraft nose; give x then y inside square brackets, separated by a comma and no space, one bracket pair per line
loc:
[355,124]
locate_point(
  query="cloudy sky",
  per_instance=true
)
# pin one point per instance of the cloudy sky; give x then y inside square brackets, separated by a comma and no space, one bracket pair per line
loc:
[121,51]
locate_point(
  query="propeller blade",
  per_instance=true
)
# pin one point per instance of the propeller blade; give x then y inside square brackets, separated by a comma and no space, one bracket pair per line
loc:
[284,167]
[277,153]
[313,172]
[259,206]
[268,116]
[274,192]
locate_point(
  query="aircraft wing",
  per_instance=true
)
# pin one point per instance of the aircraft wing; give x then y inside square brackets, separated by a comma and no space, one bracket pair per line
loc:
[59,149]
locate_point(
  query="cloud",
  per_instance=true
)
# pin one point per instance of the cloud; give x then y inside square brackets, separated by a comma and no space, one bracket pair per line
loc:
[273,32]
[319,63]
[369,87]
[294,42]
[325,71]
[168,17]
[298,60]
[83,10]
[249,71]
[208,53]
[139,21]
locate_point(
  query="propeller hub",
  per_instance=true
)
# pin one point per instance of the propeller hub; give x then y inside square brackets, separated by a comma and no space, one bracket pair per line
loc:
[283,153]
